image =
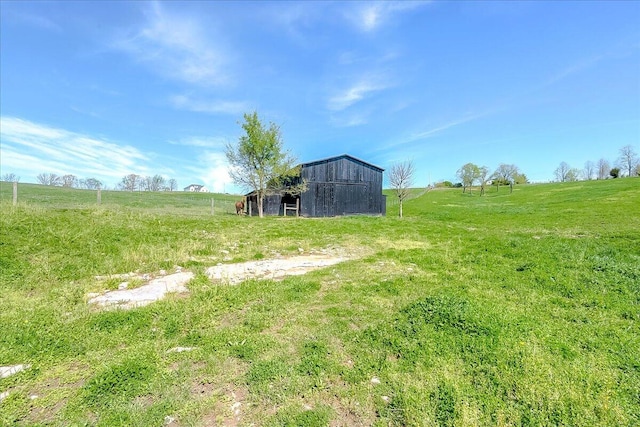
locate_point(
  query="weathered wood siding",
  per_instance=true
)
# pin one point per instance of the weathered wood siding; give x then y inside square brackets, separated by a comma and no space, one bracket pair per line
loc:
[342,186]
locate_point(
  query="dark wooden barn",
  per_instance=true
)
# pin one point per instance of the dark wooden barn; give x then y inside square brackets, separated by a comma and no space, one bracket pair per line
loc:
[341,185]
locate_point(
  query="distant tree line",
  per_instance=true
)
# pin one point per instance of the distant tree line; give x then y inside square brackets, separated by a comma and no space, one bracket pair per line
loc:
[627,164]
[131,182]
[471,174]
[69,181]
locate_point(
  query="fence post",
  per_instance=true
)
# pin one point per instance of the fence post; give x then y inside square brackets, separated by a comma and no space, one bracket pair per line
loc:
[212,204]
[99,196]
[15,193]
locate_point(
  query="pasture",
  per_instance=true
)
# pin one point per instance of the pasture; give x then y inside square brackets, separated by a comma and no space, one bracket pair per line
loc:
[517,309]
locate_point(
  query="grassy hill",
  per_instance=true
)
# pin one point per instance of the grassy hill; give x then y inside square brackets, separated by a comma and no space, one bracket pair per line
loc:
[515,308]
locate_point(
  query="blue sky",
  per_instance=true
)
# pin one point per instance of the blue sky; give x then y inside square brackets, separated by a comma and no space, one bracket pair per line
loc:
[103,89]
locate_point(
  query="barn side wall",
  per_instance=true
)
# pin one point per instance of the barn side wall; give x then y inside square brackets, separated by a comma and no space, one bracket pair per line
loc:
[342,186]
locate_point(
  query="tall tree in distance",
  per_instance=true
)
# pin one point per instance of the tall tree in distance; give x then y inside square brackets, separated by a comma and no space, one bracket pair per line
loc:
[562,172]
[259,162]
[10,177]
[91,184]
[628,159]
[603,169]
[589,170]
[153,183]
[468,174]
[49,179]
[505,175]
[483,177]
[401,180]
[172,185]
[70,181]
[130,182]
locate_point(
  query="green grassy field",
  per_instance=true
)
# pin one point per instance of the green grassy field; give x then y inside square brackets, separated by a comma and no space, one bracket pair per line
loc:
[517,309]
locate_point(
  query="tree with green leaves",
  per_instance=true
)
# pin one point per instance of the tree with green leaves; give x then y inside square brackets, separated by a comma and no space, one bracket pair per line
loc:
[615,173]
[468,174]
[259,162]
[401,180]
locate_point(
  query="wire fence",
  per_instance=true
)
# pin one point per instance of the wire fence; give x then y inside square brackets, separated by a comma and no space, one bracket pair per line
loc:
[15,194]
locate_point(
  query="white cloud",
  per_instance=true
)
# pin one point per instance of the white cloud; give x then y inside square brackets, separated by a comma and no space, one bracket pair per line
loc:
[355,93]
[179,47]
[30,149]
[370,16]
[184,102]
[215,174]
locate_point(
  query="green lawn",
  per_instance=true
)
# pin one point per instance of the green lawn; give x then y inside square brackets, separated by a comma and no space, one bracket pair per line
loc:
[510,309]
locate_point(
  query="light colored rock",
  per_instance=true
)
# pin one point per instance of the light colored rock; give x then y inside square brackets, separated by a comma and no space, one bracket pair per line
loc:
[154,290]
[7,371]
[375,380]
[123,285]
[270,269]
[180,349]
[4,395]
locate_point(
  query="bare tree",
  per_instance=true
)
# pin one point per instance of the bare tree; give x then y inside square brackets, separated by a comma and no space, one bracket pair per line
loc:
[70,181]
[153,183]
[505,174]
[401,180]
[91,184]
[603,169]
[483,177]
[172,185]
[49,179]
[589,170]
[562,172]
[130,182]
[628,159]
[10,177]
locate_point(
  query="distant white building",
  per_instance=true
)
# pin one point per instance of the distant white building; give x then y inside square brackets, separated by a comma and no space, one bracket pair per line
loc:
[196,188]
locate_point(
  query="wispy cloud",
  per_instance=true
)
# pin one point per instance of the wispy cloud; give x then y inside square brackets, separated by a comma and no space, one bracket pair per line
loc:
[432,131]
[370,16]
[30,149]
[216,106]
[218,142]
[355,93]
[179,47]
[37,21]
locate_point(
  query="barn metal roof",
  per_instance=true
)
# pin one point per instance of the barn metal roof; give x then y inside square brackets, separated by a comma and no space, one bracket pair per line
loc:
[347,156]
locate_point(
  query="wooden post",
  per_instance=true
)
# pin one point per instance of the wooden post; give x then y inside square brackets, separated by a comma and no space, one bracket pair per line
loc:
[298,207]
[99,196]
[249,203]
[212,205]
[15,193]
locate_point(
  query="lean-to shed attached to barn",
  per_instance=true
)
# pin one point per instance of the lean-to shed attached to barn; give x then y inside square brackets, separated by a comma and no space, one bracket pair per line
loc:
[341,185]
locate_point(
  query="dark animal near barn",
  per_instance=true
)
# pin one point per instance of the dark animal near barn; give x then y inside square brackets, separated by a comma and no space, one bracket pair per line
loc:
[239,207]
